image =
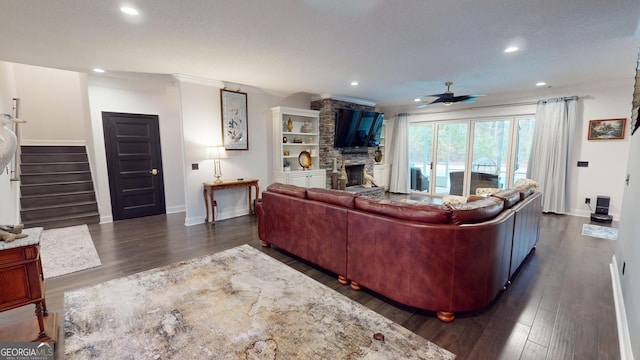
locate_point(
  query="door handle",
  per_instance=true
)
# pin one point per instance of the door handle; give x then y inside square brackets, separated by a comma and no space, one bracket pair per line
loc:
[154,172]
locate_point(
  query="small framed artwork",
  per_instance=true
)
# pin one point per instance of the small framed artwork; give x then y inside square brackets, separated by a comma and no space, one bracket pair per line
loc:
[607,129]
[235,129]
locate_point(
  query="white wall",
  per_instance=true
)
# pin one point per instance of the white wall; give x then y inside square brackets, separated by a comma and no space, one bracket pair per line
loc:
[607,159]
[627,254]
[202,127]
[155,95]
[51,102]
[8,189]
[628,251]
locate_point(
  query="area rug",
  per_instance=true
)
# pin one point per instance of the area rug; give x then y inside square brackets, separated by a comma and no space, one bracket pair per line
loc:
[602,232]
[67,250]
[236,304]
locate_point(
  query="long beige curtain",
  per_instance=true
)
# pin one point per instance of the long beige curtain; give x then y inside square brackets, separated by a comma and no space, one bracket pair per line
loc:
[551,151]
[400,156]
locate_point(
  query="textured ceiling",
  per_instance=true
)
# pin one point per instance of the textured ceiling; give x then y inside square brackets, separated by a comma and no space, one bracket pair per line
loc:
[396,49]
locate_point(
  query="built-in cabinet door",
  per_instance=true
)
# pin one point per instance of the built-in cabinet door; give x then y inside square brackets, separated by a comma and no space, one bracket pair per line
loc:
[307,178]
[298,179]
[317,181]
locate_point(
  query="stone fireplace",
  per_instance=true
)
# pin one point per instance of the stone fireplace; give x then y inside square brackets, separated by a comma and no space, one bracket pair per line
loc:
[352,157]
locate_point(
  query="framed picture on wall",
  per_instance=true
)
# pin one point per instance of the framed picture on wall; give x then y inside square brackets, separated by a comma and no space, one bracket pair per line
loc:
[607,129]
[235,129]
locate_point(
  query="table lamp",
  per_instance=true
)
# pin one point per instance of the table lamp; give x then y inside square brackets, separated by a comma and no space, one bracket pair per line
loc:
[214,153]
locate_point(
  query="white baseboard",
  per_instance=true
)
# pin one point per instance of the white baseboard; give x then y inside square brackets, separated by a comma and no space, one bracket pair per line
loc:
[624,338]
[175,209]
[241,211]
[106,219]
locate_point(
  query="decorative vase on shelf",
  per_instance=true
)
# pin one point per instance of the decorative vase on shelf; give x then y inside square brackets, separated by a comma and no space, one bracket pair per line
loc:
[289,125]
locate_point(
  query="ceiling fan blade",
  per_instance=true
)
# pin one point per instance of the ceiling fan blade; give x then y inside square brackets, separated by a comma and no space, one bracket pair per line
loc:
[438,100]
[438,95]
[461,98]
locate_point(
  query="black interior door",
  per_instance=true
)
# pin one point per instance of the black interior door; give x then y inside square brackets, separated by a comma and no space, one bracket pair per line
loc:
[134,163]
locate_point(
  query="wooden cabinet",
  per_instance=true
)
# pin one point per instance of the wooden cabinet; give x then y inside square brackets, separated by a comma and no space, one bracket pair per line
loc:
[308,178]
[296,130]
[22,280]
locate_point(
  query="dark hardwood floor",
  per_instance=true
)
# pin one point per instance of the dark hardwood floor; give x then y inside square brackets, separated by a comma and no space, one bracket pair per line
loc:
[560,305]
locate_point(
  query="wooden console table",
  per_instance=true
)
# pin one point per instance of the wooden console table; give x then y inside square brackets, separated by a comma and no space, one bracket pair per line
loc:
[23,284]
[212,187]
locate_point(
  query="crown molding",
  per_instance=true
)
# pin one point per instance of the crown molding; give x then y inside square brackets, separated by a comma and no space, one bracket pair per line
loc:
[198,80]
[344,98]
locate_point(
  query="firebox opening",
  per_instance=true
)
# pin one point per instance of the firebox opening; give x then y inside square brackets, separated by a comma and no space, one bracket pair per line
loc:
[354,174]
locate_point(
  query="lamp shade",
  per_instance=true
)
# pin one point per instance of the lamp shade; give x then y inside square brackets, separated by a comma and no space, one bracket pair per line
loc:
[216,152]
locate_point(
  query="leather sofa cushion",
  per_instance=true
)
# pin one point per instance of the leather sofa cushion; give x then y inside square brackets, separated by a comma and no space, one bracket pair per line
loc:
[426,213]
[525,191]
[476,211]
[286,189]
[509,196]
[335,197]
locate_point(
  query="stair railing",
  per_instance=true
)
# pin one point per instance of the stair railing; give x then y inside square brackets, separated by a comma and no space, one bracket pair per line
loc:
[15,168]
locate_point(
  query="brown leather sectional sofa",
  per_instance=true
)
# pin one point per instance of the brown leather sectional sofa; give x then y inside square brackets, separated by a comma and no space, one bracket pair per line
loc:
[446,258]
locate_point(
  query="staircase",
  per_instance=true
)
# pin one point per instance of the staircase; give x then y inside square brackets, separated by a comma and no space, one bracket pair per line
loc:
[56,187]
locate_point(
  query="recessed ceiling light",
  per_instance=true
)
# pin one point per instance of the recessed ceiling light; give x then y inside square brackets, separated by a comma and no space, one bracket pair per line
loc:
[511,49]
[129,10]
[541,83]
[98,70]
[354,83]
[416,99]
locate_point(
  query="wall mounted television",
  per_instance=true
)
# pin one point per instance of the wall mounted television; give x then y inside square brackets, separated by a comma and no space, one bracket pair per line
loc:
[357,128]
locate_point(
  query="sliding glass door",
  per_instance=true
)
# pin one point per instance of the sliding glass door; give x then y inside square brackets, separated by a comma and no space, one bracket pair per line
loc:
[490,154]
[451,150]
[457,157]
[420,150]
[524,139]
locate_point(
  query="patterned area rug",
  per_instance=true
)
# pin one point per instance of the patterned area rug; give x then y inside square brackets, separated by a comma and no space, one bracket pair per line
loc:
[237,304]
[67,250]
[603,232]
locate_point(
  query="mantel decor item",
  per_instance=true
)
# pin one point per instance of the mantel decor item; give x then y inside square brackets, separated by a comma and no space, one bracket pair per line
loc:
[235,129]
[378,155]
[607,129]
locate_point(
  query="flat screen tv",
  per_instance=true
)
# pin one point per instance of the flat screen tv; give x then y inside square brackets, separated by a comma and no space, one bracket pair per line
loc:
[357,128]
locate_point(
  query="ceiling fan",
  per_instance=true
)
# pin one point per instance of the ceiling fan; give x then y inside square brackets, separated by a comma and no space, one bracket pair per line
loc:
[447,98]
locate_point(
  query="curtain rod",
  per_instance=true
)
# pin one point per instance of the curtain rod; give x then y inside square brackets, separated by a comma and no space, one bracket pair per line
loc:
[492,106]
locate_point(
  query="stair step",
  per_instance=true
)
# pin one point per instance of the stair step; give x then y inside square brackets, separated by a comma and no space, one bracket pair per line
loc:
[32,201]
[47,178]
[34,158]
[27,149]
[56,188]
[64,221]
[39,168]
[41,213]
